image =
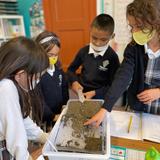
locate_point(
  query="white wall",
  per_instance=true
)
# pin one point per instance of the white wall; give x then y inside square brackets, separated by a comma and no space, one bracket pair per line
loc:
[117,9]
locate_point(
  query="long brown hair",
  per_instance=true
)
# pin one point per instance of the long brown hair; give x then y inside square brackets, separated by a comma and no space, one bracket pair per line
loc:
[148,12]
[22,53]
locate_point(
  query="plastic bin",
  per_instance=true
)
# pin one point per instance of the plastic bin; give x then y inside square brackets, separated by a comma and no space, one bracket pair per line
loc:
[52,153]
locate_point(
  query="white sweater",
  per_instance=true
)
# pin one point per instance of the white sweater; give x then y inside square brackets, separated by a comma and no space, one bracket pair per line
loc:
[13,128]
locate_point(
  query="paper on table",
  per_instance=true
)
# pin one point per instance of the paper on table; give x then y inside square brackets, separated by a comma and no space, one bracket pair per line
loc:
[119,125]
[151,127]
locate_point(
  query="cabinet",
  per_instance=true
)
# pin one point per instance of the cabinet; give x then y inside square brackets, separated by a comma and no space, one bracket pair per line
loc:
[11,26]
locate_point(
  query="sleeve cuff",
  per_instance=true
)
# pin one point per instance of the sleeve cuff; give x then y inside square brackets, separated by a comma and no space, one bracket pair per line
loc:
[105,106]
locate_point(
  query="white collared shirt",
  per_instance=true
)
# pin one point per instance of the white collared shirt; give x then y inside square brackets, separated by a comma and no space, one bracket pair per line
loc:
[92,51]
[50,71]
[13,127]
[150,53]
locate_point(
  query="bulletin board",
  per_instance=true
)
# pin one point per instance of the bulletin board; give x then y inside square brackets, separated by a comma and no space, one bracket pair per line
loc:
[36,18]
[117,9]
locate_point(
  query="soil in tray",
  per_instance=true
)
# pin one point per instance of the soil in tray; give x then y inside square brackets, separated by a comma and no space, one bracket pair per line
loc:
[78,113]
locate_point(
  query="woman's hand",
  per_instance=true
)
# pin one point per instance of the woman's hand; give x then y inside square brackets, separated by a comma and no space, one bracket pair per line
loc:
[149,95]
[90,94]
[97,118]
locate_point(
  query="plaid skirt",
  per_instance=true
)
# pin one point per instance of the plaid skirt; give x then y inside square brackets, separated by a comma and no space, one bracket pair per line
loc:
[4,154]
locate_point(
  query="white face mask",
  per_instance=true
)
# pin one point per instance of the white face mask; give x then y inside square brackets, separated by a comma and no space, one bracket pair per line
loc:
[99,49]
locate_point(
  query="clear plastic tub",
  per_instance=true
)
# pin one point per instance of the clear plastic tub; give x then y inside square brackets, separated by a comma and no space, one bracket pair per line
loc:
[63,145]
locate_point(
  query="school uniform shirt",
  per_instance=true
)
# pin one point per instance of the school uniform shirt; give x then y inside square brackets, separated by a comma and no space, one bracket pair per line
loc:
[152,77]
[13,128]
[54,88]
[97,70]
[132,74]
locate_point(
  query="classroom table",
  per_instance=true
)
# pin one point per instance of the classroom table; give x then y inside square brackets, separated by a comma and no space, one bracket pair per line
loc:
[127,143]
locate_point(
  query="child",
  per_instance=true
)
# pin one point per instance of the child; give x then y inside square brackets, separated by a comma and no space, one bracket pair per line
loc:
[53,84]
[140,70]
[22,62]
[98,60]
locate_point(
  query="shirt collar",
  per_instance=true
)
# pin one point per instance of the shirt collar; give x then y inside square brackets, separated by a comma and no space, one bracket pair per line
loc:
[51,71]
[91,51]
[150,53]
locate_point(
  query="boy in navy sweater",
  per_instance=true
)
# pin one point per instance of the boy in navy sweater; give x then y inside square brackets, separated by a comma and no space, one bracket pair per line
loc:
[98,60]
[53,83]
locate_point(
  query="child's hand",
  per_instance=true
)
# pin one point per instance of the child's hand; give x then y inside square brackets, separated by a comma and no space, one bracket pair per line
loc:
[90,94]
[76,86]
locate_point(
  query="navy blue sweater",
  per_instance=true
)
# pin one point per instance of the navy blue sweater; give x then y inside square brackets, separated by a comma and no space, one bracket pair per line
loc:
[130,75]
[96,73]
[55,92]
